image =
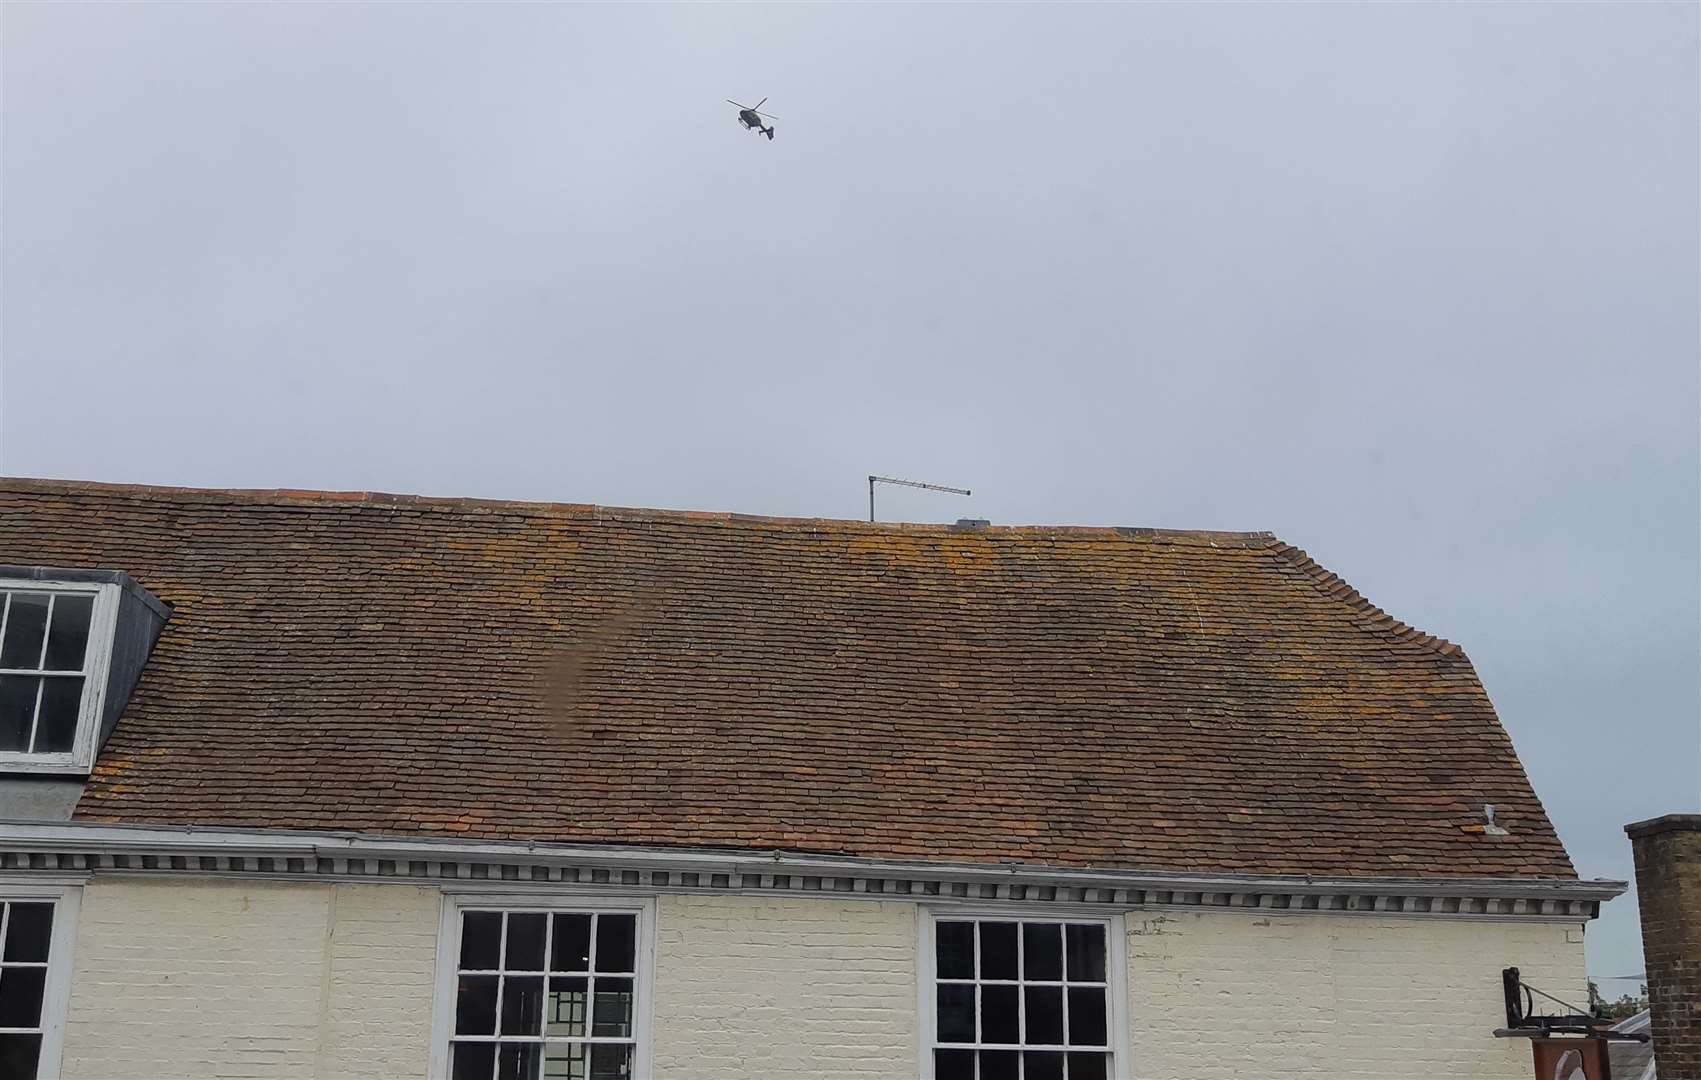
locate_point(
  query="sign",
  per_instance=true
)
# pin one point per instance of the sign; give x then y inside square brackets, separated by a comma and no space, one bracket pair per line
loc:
[1571,1059]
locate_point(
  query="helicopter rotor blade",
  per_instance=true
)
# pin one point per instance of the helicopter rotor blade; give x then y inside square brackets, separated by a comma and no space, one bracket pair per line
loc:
[729,101]
[769,116]
[758,105]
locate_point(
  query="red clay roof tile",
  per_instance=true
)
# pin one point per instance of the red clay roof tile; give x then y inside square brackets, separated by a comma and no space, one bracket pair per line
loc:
[1076,697]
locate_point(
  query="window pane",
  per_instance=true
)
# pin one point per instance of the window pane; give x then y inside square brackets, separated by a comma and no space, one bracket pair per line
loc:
[613,1014]
[1042,1065]
[1086,1016]
[1086,953]
[26,625]
[28,931]
[68,634]
[565,1014]
[956,1013]
[1087,1067]
[999,1064]
[518,1061]
[611,1061]
[1042,952]
[17,710]
[472,1061]
[954,950]
[616,942]
[522,1005]
[570,950]
[998,950]
[1044,1015]
[953,1065]
[475,1005]
[998,1018]
[481,940]
[566,1061]
[525,941]
[56,723]
[18,1055]
[20,996]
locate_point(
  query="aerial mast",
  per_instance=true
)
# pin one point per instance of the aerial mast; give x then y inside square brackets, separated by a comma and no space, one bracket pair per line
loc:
[872,480]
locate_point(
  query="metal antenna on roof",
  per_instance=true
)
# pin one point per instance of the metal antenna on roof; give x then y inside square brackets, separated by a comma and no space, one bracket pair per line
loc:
[872,480]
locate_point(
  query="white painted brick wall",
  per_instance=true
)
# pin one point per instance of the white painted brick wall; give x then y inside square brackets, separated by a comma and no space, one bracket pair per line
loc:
[379,982]
[1223,997]
[250,979]
[262,979]
[784,988]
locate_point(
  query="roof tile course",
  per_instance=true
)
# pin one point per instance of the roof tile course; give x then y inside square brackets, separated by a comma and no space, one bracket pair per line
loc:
[1070,697]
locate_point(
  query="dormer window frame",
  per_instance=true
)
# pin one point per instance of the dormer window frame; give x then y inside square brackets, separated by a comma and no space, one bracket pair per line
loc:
[97,663]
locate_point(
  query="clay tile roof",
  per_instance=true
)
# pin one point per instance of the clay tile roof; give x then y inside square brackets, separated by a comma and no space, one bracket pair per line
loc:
[1132,698]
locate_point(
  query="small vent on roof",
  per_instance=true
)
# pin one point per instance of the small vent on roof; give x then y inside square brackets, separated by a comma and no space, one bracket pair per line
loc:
[972,523]
[1489,827]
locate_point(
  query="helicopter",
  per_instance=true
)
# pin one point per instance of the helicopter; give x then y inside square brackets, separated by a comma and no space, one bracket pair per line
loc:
[752,120]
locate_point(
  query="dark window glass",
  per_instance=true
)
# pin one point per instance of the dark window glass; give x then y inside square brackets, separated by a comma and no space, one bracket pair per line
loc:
[1042,1065]
[481,940]
[998,1018]
[565,1011]
[953,1065]
[1000,1065]
[68,634]
[1086,953]
[956,1013]
[473,1061]
[1086,1016]
[17,710]
[29,928]
[20,996]
[570,949]
[1045,1015]
[18,1056]
[1042,952]
[612,1014]
[611,1061]
[522,1004]
[1086,1067]
[997,950]
[616,944]
[954,950]
[56,723]
[475,1005]
[525,941]
[518,1061]
[26,625]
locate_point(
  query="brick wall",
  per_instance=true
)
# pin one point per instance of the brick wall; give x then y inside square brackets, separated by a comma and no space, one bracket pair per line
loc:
[379,981]
[188,979]
[1231,996]
[1668,886]
[798,988]
[258,979]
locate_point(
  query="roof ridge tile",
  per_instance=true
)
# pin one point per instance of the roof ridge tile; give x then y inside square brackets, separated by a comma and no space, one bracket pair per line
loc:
[382,499]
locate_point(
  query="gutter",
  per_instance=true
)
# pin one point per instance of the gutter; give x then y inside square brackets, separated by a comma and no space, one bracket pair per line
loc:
[28,845]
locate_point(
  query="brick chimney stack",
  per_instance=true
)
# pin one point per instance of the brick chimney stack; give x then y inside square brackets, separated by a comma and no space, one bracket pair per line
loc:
[1668,884]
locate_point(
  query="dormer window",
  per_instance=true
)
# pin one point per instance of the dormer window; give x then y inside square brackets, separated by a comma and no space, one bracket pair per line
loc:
[55,646]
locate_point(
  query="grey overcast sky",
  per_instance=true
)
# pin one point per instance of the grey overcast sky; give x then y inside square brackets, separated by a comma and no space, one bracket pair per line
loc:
[1414,287]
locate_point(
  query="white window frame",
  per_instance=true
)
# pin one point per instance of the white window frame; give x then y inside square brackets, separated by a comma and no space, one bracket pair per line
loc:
[1115,963]
[61,947]
[97,662]
[449,958]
